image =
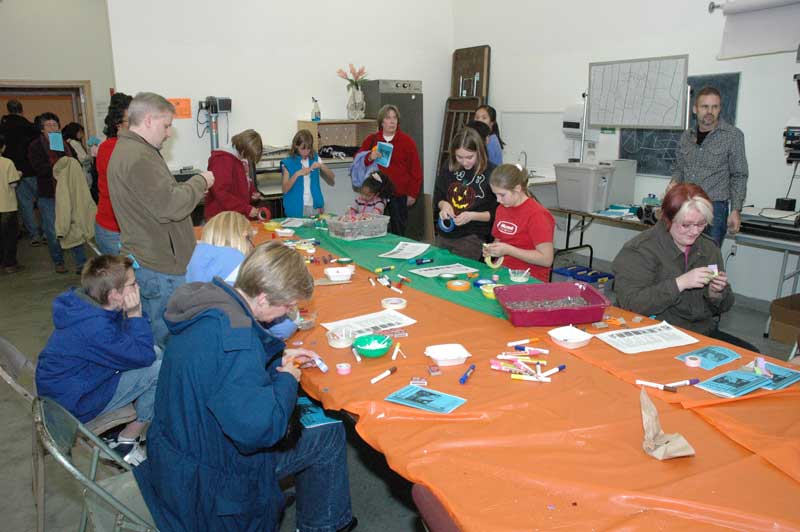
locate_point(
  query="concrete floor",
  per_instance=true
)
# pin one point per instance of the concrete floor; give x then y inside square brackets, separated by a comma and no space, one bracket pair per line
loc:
[381,499]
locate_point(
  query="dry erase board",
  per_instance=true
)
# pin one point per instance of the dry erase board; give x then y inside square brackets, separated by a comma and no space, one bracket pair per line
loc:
[638,93]
[654,149]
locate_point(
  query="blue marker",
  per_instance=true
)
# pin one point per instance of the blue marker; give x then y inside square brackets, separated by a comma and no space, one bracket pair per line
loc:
[465,377]
[549,372]
[420,261]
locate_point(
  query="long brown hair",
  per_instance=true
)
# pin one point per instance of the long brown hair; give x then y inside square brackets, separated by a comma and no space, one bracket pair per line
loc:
[468,139]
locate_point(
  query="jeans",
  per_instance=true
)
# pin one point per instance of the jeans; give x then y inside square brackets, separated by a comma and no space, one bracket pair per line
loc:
[137,386]
[27,190]
[155,289]
[719,227]
[8,239]
[47,208]
[108,242]
[319,465]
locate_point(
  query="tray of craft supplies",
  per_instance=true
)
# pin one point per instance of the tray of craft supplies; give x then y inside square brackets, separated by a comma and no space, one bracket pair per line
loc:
[535,305]
[358,226]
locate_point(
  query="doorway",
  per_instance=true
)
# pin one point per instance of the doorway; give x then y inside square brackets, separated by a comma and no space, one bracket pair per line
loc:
[69,100]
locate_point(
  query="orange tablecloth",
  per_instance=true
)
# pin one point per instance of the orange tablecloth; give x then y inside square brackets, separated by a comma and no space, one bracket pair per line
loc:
[521,456]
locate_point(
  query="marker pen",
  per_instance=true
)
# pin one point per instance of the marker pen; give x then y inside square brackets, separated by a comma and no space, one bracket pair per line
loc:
[687,382]
[371,281]
[519,342]
[553,371]
[655,385]
[532,350]
[532,378]
[404,278]
[384,269]
[467,374]
[355,354]
[420,261]
[383,375]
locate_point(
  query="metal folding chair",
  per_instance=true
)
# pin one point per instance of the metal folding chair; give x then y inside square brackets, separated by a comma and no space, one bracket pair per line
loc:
[114,503]
[13,366]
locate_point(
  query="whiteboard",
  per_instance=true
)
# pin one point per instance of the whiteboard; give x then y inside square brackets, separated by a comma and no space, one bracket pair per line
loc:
[539,134]
[639,93]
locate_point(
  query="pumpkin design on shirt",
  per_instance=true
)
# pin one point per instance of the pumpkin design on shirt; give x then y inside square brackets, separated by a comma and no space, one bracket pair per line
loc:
[462,195]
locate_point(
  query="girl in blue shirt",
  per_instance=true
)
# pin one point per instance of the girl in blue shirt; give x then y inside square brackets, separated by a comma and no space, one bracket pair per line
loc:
[302,195]
[494,146]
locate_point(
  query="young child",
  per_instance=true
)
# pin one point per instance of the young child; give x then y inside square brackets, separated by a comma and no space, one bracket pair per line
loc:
[374,194]
[302,195]
[463,198]
[101,356]
[224,243]
[523,229]
[494,145]
[9,230]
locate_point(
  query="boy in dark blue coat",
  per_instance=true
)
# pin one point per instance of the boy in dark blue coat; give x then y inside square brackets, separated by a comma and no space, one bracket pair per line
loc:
[227,392]
[101,355]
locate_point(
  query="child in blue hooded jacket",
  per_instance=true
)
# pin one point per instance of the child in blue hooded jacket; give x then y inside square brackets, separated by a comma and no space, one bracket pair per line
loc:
[101,355]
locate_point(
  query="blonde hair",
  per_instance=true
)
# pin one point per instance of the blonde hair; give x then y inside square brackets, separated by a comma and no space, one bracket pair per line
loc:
[276,271]
[248,144]
[470,140]
[302,138]
[508,176]
[228,229]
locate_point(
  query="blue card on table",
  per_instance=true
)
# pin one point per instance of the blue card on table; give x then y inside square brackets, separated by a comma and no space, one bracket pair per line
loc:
[712,356]
[781,377]
[734,383]
[312,415]
[426,399]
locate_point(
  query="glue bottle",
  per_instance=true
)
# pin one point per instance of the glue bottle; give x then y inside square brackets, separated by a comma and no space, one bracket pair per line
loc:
[316,115]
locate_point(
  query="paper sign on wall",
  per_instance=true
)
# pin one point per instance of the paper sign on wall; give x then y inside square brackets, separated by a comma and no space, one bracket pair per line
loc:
[183,107]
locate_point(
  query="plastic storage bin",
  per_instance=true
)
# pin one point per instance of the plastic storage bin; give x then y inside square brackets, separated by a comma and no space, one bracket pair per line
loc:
[583,187]
[366,226]
[596,303]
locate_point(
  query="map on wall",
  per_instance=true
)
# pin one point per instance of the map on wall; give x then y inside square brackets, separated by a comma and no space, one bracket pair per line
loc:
[654,149]
[638,93]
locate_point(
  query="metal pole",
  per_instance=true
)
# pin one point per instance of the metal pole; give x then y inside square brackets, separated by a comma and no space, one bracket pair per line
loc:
[213,128]
[585,95]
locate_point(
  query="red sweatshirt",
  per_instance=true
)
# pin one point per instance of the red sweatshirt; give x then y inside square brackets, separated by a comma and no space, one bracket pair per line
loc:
[404,169]
[105,212]
[232,188]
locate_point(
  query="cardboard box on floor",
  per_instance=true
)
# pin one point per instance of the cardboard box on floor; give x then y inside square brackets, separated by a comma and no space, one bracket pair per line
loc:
[785,324]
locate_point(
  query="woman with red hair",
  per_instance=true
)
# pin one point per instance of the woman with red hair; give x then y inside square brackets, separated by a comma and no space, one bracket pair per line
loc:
[676,272]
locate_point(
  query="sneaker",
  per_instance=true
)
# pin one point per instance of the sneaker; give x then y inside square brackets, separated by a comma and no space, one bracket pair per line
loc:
[126,448]
[137,455]
[60,268]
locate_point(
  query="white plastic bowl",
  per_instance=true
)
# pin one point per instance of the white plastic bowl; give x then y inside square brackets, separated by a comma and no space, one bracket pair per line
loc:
[447,354]
[339,274]
[284,232]
[570,337]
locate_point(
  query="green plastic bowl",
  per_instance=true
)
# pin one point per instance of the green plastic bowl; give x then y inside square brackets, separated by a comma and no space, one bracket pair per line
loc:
[362,341]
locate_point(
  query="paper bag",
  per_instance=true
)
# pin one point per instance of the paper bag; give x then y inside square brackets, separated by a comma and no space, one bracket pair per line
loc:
[656,443]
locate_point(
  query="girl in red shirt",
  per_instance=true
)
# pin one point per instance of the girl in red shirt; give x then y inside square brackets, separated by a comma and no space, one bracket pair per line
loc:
[522,229]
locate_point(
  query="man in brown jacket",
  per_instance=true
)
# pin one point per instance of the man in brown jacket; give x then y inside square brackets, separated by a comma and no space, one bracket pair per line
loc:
[152,208]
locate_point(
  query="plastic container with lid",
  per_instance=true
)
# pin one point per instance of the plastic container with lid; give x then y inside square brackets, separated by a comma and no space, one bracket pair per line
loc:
[583,187]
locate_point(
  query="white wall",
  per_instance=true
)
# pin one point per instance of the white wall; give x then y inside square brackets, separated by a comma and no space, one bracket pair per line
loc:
[271,57]
[55,40]
[540,56]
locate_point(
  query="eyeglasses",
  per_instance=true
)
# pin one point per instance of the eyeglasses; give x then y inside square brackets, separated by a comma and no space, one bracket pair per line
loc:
[687,227]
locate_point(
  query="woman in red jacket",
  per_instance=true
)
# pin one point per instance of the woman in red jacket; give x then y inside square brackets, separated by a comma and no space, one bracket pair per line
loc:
[106,228]
[404,170]
[233,187]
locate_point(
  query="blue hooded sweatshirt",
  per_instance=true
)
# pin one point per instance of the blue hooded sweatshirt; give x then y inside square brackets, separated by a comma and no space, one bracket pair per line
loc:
[82,362]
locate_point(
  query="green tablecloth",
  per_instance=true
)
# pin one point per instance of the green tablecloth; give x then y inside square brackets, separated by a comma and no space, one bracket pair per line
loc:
[365,254]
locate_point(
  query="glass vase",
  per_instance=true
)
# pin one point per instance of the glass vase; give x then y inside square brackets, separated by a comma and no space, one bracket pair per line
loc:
[356,105]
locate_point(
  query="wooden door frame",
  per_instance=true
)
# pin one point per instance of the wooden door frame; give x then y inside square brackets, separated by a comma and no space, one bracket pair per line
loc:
[84,88]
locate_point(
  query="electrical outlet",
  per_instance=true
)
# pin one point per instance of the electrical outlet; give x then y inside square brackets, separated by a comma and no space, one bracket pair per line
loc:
[733,249]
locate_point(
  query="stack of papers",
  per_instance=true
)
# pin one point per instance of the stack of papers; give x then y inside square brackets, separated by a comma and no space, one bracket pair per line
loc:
[781,376]
[734,383]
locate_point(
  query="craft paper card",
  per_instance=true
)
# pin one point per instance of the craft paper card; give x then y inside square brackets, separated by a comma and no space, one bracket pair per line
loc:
[312,415]
[734,383]
[385,150]
[56,141]
[781,376]
[712,356]
[426,399]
